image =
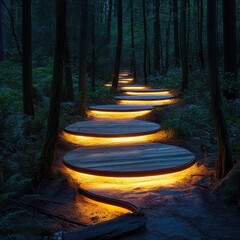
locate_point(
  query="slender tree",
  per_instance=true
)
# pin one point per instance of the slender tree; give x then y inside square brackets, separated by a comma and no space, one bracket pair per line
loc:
[68,88]
[48,152]
[145,42]
[230,48]
[224,163]
[109,20]
[133,60]
[156,52]
[119,47]
[183,44]
[2,34]
[176,33]
[83,55]
[168,29]
[93,47]
[27,58]
[200,33]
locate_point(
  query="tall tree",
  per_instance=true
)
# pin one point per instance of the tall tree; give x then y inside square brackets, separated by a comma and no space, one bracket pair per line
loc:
[27,58]
[145,42]
[2,34]
[156,56]
[93,47]
[133,60]
[230,48]
[224,163]
[68,86]
[109,20]
[176,32]
[118,48]
[83,55]
[200,33]
[168,36]
[183,44]
[48,152]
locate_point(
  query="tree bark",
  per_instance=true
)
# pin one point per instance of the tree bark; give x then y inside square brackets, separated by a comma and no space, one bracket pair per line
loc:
[83,55]
[93,48]
[2,34]
[156,56]
[119,47]
[176,36]
[145,42]
[27,58]
[133,60]
[168,29]
[230,48]
[109,20]
[48,152]
[183,44]
[224,163]
[68,90]
[200,31]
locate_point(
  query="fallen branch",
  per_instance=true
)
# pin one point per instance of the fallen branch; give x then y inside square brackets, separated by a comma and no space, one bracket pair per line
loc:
[113,229]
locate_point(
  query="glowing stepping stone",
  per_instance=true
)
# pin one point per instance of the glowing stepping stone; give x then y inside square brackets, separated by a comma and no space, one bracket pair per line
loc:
[148,100]
[118,111]
[129,161]
[104,128]
[146,92]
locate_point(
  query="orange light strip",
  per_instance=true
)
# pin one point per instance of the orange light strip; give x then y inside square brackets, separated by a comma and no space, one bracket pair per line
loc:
[132,87]
[118,115]
[101,141]
[148,102]
[147,93]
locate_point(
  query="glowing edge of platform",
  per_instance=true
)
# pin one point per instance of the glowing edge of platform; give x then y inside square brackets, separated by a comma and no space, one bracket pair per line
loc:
[99,141]
[148,102]
[132,174]
[117,114]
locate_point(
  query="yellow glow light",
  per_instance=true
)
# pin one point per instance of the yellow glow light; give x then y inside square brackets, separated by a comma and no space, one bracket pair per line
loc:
[124,74]
[132,87]
[101,141]
[122,115]
[147,93]
[136,189]
[148,102]
[107,84]
[125,79]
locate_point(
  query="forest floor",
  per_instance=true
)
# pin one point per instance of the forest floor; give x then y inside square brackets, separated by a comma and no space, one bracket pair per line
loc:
[181,207]
[184,208]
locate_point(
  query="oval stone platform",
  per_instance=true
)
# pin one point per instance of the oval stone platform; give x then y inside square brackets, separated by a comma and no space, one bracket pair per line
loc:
[147,90]
[129,161]
[120,108]
[144,98]
[104,128]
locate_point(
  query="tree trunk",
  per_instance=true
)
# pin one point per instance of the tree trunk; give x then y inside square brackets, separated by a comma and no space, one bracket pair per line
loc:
[2,35]
[93,47]
[68,89]
[83,55]
[168,37]
[176,37]
[230,48]
[156,56]
[145,42]
[133,60]
[48,152]
[200,30]
[109,19]
[149,60]
[27,58]
[224,163]
[119,47]
[183,44]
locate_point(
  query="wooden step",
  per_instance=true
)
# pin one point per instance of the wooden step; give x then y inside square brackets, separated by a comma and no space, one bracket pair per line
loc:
[129,161]
[104,128]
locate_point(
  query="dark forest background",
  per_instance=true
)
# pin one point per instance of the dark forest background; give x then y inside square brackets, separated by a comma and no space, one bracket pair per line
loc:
[176,50]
